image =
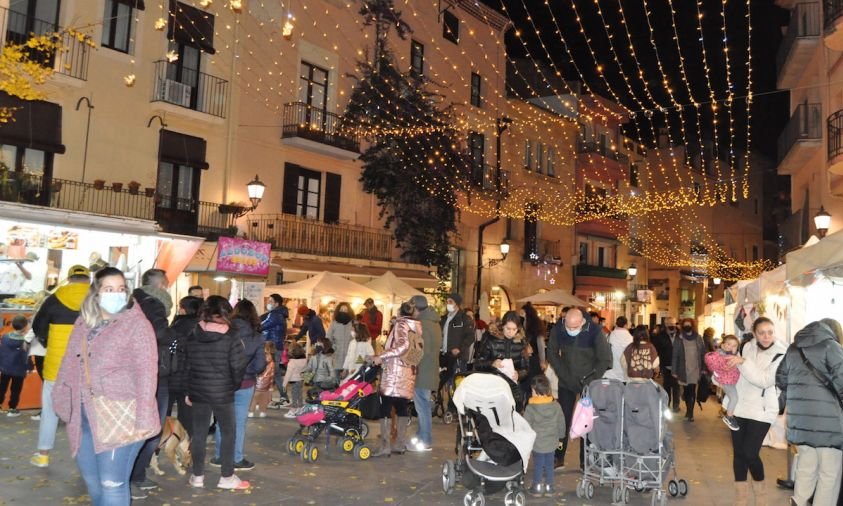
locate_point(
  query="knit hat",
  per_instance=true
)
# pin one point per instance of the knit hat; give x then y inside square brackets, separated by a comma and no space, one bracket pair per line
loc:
[456,298]
[303,309]
[420,301]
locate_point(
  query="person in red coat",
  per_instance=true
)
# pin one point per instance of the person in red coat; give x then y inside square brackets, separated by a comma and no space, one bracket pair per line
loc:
[372,318]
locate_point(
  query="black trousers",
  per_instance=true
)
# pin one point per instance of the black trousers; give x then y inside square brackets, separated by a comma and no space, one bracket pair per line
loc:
[746,449]
[184,411]
[224,413]
[39,366]
[567,401]
[689,395]
[17,386]
[671,386]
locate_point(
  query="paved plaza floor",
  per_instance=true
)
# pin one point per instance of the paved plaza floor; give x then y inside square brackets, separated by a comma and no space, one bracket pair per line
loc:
[703,454]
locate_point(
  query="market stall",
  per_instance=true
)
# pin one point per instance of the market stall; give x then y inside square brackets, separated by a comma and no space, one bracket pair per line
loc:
[397,291]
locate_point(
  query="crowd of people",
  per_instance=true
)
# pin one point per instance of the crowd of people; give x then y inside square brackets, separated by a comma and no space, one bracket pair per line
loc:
[114,368]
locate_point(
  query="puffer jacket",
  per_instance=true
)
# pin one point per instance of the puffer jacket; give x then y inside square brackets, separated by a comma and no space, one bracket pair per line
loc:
[399,379]
[340,336]
[274,325]
[216,362]
[181,329]
[495,345]
[156,305]
[578,359]
[54,322]
[266,379]
[427,376]
[814,417]
[253,344]
[757,394]
[13,355]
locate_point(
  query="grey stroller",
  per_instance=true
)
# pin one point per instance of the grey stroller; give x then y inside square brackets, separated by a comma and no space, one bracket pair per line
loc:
[603,446]
[494,442]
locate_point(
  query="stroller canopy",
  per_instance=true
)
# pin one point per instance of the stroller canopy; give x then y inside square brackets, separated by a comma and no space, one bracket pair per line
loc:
[490,395]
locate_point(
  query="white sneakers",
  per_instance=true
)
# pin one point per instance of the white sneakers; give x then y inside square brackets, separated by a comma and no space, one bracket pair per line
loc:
[233,483]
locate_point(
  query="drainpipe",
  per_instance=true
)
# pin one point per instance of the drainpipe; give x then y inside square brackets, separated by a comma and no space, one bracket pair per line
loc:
[232,120]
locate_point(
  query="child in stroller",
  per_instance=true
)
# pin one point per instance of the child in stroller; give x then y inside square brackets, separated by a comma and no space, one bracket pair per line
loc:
[338,412]
[494,441]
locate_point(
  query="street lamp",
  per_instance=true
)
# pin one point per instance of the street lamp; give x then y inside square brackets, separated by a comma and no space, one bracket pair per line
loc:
[822,221]
[504,252]
[716,281]
[632,271]
[255,189]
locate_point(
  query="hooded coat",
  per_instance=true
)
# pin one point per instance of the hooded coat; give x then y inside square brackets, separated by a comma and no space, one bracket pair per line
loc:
[216,363]
[427,377]
[274,326]
[757,396]
[54,322]
[578,359]
[495,345]
[181,328]
[814,416]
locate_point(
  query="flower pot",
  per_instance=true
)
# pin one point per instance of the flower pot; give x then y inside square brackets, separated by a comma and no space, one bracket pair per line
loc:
[117,187]
[99,184]
[149,192]
[134,188]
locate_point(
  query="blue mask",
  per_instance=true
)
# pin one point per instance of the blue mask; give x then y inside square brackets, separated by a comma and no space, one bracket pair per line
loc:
[574,332]
[113,302]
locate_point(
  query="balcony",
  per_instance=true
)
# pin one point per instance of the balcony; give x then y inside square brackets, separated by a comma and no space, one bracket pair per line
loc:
[72,61]
[483,176]
[584,146]
[833,23]
[191,89]
[599,271]
[799,43]
[203,219]
[318,130]
[301,235]
[801,138]
[835,143]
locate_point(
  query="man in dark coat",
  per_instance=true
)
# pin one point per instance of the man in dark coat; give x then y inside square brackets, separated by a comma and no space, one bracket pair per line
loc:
[183,325]
[578,352]
[457,332]
[427,377]
[663,341]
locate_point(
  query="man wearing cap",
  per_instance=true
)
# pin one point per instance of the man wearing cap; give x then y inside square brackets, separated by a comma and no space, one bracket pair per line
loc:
[457,333]
[427,377]
[52,326]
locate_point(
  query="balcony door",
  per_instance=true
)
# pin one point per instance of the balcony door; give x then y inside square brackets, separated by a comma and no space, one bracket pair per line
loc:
[186,70]
[313,92]
[181,159]
[26,17]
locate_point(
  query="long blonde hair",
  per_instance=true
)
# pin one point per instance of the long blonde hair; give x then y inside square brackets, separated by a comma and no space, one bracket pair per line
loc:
[91,311]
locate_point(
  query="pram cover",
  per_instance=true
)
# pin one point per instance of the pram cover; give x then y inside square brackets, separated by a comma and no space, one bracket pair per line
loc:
[490,395]
[607,399]
[644,406]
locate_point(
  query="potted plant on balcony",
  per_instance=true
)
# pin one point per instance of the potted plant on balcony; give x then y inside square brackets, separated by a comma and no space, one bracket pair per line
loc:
[232,208]
[149,191]
[134,187]
[99,184]
[117,187]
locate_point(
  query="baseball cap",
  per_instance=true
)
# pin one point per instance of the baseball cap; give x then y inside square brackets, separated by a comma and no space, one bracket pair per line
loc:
[78,270]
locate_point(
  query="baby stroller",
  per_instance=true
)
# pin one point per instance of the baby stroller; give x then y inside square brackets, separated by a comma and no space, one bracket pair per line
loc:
[495,441]
[603,446]
[337,412]
[649,455]
[449,377]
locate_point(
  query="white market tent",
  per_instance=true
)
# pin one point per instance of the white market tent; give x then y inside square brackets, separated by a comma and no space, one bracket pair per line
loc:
[556,297]
[324,284]
[392,287]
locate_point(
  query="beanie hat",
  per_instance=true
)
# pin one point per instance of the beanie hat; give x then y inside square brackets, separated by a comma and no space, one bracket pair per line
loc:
[456,298]
[420,301]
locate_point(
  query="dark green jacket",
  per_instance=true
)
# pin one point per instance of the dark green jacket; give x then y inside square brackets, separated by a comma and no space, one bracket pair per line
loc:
[427,377]
[577,360]
[547,420]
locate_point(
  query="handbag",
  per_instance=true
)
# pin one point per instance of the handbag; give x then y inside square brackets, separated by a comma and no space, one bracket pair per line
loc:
[583,419]
[822,379]
[115,420]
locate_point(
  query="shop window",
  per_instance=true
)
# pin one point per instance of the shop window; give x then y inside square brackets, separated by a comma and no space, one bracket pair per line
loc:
[451,27]
[118,24]
[476,84]
[417,58]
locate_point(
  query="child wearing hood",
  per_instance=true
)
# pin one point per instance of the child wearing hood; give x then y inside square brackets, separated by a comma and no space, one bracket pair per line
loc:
[545,417]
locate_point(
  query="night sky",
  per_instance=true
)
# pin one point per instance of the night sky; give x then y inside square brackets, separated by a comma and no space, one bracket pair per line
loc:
[769,112]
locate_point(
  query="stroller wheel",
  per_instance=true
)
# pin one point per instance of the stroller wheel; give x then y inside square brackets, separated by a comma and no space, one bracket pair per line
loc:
[515,498]
[448,418]
[625,496]
[617,494]
[364,430]
[474,499]
[683,488]
[347,444]
[672,488]
[312,452]
[362,452]
[296,445]
[305,452]
[449,477]
[589,490]
[580,489]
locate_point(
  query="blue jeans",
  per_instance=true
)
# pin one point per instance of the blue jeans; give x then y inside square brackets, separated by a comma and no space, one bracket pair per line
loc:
[49,420]
[148,449]
[106,474]
[424,411]
[242,400]
[543,465]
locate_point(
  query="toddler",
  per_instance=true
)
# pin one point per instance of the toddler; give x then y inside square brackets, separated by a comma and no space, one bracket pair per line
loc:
[727,377]
[13,363]
[295,366]
[545,417]
[263,386]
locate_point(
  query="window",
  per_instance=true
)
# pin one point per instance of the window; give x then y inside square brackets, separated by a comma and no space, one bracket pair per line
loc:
[698,192]
[181,158]
[185,70]
[476,152]
[539,157]
[754,252]
[178,186]
[313,91]
[417,58]
[583,258]
[307,196]
[528,154]
[31,161]
[451,27]
[634,173]
[118,21]
[476,83]
[531,232]
[551,169]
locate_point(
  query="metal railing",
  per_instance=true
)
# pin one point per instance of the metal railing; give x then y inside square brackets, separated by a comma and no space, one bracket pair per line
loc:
[484,177]
[832,10]
[190,88]
[188,216]
[309,122]
[295,234]
[72,60]
[804,124]
[599,271]
[804,23]
[835,134]
[547,247]
[584,146]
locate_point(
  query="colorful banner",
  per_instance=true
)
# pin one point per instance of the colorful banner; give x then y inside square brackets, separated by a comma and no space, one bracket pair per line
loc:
[250,258]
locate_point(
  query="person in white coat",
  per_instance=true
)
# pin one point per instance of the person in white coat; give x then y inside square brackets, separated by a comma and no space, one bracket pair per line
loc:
[619,339]
[757,408]
[359,348]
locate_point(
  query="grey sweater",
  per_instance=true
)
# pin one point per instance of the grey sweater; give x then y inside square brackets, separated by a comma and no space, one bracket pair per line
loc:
[547,420]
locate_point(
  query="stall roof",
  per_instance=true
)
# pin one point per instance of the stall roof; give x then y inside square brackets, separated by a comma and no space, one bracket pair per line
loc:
[825,253]
[413,277]
[324,284]
[389,284]
[555,298]
[77,219]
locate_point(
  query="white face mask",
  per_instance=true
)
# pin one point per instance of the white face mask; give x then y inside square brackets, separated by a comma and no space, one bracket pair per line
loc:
[113,302]
[269,307]
[572,332]
[451,308]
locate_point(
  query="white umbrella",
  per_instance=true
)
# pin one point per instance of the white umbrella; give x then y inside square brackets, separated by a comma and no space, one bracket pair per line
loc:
[554,298]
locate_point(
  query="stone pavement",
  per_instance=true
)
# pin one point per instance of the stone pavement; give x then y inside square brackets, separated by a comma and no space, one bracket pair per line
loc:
[703,453]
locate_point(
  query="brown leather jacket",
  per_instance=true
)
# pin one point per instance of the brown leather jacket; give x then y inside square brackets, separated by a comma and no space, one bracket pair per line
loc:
[398,379]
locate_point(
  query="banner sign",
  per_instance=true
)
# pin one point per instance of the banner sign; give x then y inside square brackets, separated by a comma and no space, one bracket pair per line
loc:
[239,256]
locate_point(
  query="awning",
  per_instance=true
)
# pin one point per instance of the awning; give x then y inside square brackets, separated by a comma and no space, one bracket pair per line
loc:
[36,124]
[362,274]
[191,26]
[181,149]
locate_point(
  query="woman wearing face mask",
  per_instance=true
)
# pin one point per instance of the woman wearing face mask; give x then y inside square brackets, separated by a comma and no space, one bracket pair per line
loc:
[503,341]
[111,356]
[339,333]
[688,364]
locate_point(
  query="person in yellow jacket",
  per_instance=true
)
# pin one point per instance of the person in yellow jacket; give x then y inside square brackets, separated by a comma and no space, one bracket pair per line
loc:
[52,326]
